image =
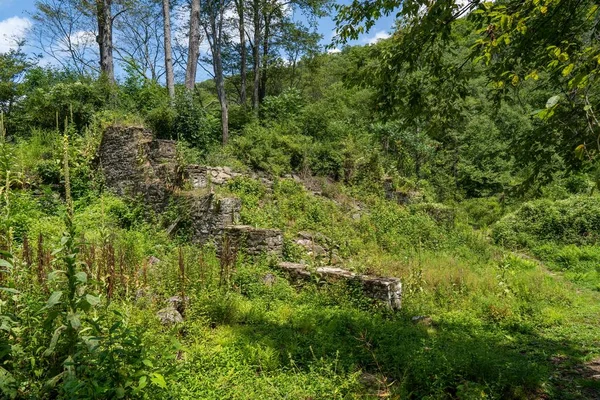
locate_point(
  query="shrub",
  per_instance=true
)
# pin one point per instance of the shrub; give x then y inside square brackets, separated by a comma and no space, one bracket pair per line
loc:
[575,220]
[482,212]
[283,107]
[274,149]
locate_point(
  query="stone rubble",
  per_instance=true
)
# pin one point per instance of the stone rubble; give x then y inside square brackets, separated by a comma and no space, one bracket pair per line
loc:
[169,316]
[134,164]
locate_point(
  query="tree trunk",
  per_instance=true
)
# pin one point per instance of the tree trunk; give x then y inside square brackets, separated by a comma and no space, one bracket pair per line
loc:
[104,39]
[242,30]
[193,46]
[256,56]
[262,92]
[217,42]
[168,50]
[220,81]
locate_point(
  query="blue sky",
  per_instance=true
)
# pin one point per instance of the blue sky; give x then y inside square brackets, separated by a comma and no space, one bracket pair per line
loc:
[15,19]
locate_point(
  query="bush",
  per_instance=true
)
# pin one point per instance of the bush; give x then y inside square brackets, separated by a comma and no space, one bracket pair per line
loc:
[50,94]
[575,220]
[275,149]
[284,107]
[482,212]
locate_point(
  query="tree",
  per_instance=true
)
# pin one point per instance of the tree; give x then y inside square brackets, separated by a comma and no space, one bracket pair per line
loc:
[522,45]
[271,20]
[241,9]
[13,65]
[193,46]
[168,50]
[104,38]
[213,23]
[257,27]
[139,39]
[61,32]
[297,41]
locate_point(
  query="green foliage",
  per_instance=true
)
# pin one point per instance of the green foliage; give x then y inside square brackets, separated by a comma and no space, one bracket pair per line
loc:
[571,221]
[562,233]
[276,149]
[482,212]
[52,95]
[410,118]
[284,107]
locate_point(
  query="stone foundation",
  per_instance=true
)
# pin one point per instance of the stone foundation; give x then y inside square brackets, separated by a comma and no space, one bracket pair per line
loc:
[386,290]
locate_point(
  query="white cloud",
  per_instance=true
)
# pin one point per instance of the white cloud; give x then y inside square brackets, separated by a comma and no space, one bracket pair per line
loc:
[334,51]
[12,30]
[377,37]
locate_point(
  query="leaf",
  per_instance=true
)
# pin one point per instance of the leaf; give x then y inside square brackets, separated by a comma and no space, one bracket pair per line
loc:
[148,363]
[563,57]
[54,340]
[74,320]
[580,151]
[142,382]
[533,75]
[10,290]
[568,69]
[51,383]
[93,300]
[54,299]
[81,277]
[158,380]
[120,392]
[556,51]
[552,101]
[6,264]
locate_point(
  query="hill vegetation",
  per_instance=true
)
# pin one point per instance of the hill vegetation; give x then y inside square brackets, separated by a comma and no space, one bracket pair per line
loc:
[436,156]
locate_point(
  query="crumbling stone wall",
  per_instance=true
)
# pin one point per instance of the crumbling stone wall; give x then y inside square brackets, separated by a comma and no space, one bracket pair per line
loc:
[255,241]
[210,215]
[386,290]
[133,164]
[202,176]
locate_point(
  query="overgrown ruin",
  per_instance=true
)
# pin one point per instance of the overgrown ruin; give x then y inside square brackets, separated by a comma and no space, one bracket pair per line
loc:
[135,164]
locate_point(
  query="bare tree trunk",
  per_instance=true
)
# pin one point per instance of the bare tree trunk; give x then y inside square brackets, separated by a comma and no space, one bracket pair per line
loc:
[220,81]
[104,38]
[193,46]
[242,29]
[256,56]
[262,92]
[215,40]
[217,30]
[168,50]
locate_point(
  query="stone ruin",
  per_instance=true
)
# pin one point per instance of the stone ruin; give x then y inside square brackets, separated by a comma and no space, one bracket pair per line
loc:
[135,164]
[386,290]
